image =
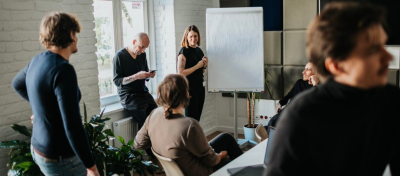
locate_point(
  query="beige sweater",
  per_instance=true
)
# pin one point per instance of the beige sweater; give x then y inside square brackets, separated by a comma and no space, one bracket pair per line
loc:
[180,138]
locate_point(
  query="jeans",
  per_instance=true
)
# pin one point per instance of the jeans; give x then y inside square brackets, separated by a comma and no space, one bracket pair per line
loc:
[196,103]
[64,166]
[225,142]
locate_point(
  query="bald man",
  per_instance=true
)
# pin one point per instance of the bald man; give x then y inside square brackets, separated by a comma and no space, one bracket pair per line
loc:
[130,73]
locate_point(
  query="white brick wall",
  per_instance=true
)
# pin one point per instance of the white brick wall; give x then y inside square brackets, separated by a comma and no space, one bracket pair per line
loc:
[193,12]
[19,42]
[171,19]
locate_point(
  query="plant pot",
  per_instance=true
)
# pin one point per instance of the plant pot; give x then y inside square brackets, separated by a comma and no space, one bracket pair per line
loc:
[249,132]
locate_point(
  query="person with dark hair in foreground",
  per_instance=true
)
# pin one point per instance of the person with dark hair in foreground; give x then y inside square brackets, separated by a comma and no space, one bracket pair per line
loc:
[175,136]
[49,82]
[349,124]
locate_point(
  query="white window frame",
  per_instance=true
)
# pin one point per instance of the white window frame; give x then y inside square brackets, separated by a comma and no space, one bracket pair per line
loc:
[118,42]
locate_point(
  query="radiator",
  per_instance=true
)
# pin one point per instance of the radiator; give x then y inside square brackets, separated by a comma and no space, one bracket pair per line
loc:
[126,128]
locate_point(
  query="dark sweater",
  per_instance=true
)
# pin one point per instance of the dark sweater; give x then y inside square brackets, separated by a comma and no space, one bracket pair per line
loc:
[50,85]
[298,87]
[335,129]
[125,65]
[193,56]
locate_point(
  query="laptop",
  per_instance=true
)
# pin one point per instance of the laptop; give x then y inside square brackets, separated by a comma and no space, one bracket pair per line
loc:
[258,169]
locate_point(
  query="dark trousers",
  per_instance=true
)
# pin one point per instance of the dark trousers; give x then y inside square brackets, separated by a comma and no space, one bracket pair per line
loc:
[225,142]
[196,103]
[139,106]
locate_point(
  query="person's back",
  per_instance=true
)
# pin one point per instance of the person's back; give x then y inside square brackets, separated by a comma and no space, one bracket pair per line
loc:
[358,137]
[180,138]
[59,145]
[348,125]
[44,74]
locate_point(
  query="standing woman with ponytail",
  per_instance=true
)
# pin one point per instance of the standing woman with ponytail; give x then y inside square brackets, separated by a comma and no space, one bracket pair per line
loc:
[192,63]
[172,135]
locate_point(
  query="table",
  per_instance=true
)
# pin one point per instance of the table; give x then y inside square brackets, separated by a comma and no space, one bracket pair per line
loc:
[252,157]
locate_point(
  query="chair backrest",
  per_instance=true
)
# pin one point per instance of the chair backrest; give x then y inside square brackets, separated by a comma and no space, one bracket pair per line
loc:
[261,133]
[169,165]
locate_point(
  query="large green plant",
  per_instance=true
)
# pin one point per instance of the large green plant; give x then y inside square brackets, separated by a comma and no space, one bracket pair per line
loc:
[117,160]
[98,137]
[124,159]
[21,162]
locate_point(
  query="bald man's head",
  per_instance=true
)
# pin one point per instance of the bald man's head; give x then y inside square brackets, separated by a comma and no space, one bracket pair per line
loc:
[140,43]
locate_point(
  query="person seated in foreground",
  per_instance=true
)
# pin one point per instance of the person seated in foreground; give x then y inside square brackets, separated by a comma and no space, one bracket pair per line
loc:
[309,80]
[182,139]
[347,126]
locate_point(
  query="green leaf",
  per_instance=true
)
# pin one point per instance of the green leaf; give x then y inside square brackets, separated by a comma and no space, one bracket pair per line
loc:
[108,132]
[22,130]
[125,149]
[121,140]
[130,143]
[13,144]
[101,114]
[84,111]
[26,165]
[100,137]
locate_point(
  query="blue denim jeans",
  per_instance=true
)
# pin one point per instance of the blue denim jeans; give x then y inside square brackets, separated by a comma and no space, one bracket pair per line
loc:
[63,167]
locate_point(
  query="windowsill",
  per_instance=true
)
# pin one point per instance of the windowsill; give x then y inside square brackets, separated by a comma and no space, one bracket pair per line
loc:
[116,107]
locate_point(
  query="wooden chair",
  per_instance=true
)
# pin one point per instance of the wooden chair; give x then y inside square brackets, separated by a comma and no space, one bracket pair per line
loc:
[169,165]
[261,133]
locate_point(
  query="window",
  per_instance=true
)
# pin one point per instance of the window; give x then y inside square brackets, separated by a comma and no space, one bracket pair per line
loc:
[116,24]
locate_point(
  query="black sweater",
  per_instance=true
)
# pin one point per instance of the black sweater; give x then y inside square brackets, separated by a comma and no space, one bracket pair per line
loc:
[125,65]
[298,87]
[335,129]
[193,56]
[50,85]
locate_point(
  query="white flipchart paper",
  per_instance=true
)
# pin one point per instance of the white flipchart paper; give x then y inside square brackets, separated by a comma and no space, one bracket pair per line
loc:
[235,49]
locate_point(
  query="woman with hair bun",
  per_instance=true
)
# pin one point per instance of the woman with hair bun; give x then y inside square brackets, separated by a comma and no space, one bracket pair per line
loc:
[182,139]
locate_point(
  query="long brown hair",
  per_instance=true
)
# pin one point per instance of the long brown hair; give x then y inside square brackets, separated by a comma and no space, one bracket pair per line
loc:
[184,42]
[172,93]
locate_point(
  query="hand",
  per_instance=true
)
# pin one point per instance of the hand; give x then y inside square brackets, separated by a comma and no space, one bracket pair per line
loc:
[92,171]
[152,74]
[223,154]
[32,119]
[200,64]
[278,108]
[205,60]
[314,80]
[142,75]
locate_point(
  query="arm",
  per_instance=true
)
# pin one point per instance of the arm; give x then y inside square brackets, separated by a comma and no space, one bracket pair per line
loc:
[285,99]
[65,87]
[196,143]
[19,83]
[142,139]
[188,71]
[120,79]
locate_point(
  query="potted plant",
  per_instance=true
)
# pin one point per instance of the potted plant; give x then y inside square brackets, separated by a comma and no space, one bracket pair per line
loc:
[125,159]
[249,128]
[109,159]
[98,137]
[21,162]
